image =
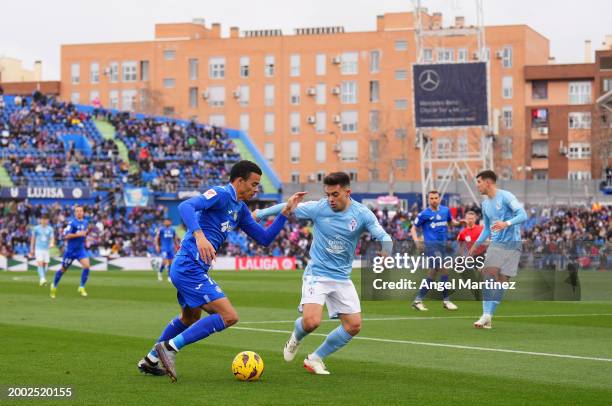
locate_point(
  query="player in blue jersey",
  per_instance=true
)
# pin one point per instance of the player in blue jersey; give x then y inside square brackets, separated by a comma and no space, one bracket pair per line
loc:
[433,221]
[74,235]
[209,218]
[42,239]
[165,242]
[502,214]
[339,222]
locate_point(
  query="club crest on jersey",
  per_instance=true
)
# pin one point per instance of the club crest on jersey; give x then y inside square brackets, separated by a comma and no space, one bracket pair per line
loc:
[353,225]
[209,194]
[438,217]
[498,205]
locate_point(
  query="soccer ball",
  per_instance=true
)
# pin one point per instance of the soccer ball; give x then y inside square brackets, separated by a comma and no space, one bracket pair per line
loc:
[247,366]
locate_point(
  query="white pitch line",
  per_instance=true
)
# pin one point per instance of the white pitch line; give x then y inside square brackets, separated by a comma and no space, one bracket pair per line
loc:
[438,317]
[455,346]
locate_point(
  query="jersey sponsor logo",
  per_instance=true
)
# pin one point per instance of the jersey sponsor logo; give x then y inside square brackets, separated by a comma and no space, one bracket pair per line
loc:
[438,217]
[468,238]
[210,193]
[335,245]
[438,224]
[353,225]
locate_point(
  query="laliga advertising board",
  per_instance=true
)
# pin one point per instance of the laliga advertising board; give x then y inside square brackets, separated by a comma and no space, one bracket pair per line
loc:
[450,95]
[265,263]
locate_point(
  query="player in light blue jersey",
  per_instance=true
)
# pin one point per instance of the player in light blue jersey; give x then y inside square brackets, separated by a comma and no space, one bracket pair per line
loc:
[502,214]
[74,235]
[338,221]
[433,221]
[165,242]
[42,239]
[209,218]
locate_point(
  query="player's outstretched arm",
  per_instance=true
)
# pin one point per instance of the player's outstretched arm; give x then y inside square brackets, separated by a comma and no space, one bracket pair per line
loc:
[379,233]
[301,210]
[265,236]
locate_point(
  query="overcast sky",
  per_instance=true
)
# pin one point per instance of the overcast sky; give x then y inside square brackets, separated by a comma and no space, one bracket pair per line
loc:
[31,30]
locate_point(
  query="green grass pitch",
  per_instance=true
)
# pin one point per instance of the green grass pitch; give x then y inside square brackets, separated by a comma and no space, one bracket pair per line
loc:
[92,344]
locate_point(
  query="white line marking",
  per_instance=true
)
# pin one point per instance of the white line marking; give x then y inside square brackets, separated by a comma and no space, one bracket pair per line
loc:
[439,317]
[456,346]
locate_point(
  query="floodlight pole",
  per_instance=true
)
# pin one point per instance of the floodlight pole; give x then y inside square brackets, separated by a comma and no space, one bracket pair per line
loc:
[455,162]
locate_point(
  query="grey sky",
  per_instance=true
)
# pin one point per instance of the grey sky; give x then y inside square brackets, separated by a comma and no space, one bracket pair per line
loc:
[31,30]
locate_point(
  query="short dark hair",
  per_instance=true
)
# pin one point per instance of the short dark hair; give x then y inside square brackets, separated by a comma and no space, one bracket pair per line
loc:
[434,192]
[487,174]
[471,212]
[44,216]
[243,169]
[337,178]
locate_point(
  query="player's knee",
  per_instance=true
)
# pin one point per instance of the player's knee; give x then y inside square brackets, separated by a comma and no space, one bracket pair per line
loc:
[230,318]
[353,328]
[310,323]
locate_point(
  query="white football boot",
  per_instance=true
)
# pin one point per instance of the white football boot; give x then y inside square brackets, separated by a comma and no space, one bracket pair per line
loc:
[291,348]
[484,322]
[315,366]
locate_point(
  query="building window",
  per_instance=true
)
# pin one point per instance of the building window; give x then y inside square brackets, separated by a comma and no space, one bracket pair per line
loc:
[113,72]
[94,97]
[168,111]
[539,149]
[462,55]
[401,74]
[244,95]
[606,85]
[113,99]
[269,123]
[269,66]
[321,97]
[144,71]
[374,121]
[507,116]
[349,63]
[193,97]
[373,150]
[294,153]
[294,123]
[507,87]
[348,151]
[244,66]
[462,145]
[348,120]
[539,89]
[507,57]
[269,95]
[445,54]
[506,148]
[401,133]
[216,68]
[401,104]
[128,99]
[349,92]
[75,73]
[579,92]
[169,54]
[374,91]
[579,150]
[401,45]
[579,175]
[75,97]
[352,175]
[294,94]
[427,55]
[217,120]
[321,122]
[194,67]
[579,120]
[444,147]
[216,96]
[540,175]
[130,73]
[94,72]
[269,151]
[401,164]
[295,176]
[294,65]
[374,175]
[374,61]
[321,151]
[244,122]
[321,64]
[169,83]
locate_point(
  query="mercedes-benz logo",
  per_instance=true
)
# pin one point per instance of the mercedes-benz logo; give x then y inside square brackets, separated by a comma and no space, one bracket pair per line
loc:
[429,80]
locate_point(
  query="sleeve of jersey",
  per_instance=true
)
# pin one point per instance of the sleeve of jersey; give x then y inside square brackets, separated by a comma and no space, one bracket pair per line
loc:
[263,236]
[378,233]
[519,213]
[486,230]
[418,222]
[69,229]
[190,207]
[270,211]
[302,211]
